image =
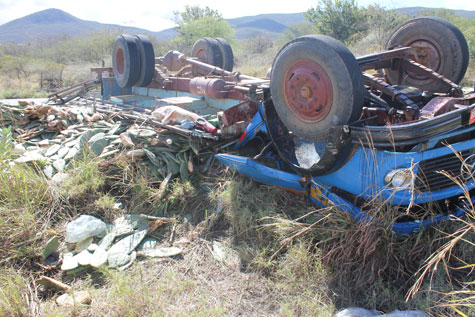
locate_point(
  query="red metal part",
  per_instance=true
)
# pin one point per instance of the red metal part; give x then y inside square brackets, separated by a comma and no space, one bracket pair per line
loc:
[441,105]
[209,87]
[308,91]
[242,112]
[120,60]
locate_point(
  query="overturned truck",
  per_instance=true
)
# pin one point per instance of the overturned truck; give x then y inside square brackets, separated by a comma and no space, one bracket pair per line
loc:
[392,127]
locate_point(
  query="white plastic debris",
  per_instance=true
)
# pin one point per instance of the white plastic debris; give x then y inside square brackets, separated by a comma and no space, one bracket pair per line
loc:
[362,312]
[84,227]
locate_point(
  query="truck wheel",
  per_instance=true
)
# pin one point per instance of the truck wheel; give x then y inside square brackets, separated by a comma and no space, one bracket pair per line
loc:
[316,83]
[125,61]
[442,47]
[206,49]
[227,53]
[147,60]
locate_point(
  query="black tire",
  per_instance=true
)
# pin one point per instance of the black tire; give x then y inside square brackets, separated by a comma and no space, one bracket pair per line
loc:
[125,61]
[206,49]
[147,60]
[331,89]
[447,48]
[227,53]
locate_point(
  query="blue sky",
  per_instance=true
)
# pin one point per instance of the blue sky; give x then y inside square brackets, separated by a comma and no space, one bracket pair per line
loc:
[158,14]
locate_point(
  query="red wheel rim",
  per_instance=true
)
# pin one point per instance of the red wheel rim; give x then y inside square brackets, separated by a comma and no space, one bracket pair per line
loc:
[308,91]
[120,60]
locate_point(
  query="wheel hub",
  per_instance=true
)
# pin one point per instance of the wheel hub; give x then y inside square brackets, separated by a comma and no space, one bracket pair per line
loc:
[120,60]
[427,55]
[308,91]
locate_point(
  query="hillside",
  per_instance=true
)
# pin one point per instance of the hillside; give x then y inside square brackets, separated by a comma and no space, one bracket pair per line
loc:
[51,23]
[54,22]
[417,10]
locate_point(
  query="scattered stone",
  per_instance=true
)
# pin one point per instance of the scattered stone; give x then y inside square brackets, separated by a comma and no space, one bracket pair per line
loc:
[52,150]
[70,262]
[48,170]
[119,252]
[71,153]
[59,165]
[62,152]
[84,227]
[147,243]
[30,156]
[106,242]
[51,247]
[51,283]
[128,223]
[84,257]
[161,252]
[98,136]
[83,244]
[117,259]
[129,243]
[77,298]
[98,146]
[43,143]
[133,256]
[99,257]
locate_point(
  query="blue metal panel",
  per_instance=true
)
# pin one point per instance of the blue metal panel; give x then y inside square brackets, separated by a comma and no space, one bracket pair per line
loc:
[211,105]
[110,88]
[262,173]
[363,175]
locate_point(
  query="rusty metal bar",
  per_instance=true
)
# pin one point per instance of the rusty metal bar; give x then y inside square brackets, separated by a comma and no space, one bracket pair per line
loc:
[381,59]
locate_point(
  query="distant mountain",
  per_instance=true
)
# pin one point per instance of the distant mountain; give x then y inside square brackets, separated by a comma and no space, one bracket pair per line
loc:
[245,27]
[417,11]
[286,19]
[53,23]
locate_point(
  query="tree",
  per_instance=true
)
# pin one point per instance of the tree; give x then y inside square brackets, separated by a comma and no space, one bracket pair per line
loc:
[341,19]
[297,30]
[383,22]
[193,13]
[196,22]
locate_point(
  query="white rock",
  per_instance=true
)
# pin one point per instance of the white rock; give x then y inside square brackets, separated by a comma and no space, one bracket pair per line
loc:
[59,165]
[80,297]
[92,247]
[357,312]
[70,262]
[147,243]
[161,252]
[99,257]
[84,257]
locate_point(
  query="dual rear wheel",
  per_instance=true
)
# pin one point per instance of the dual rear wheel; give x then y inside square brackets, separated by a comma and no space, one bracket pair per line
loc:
[133,60]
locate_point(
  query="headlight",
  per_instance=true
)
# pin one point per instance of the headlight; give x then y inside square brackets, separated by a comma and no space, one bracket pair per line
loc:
[400,178]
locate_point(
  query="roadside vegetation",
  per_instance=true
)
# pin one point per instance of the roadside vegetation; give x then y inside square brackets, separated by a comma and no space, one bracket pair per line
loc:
[289,258]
